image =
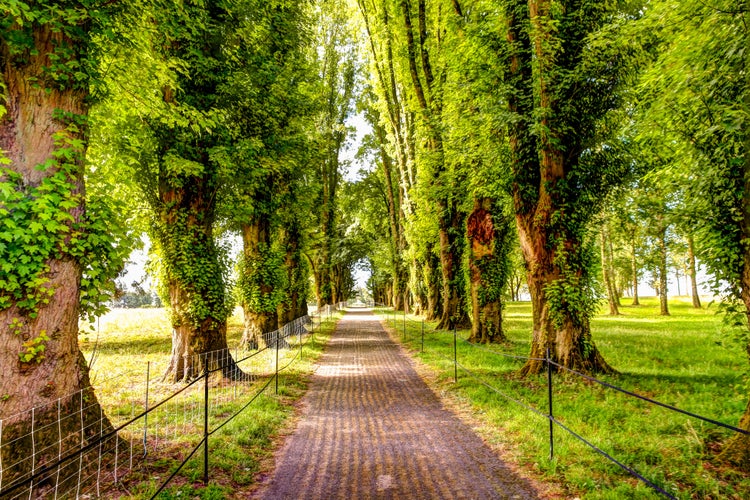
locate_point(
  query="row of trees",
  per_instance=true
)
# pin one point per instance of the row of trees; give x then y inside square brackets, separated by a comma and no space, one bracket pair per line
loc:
[502,130]
[188,121]
[592,138]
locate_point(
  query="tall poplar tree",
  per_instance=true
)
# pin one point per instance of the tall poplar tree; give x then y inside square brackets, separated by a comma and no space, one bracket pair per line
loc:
[266,106]
[337,80]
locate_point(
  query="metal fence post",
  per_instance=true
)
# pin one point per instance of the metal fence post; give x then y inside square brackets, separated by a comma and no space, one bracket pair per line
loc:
[145,416]
[205,426]
[455,355]
[551,417]
[277,362]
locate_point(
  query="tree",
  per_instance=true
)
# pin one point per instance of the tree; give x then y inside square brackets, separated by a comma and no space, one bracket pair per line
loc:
[174,134]
[700,94]
[567,65]
[60,249]
[338,71]
[266,105]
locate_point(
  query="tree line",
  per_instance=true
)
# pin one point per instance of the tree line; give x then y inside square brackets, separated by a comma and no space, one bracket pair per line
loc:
[579,147]
[187,121]
[506,135]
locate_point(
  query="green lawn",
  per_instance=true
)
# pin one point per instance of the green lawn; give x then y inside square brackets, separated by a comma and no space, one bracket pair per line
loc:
[685,360]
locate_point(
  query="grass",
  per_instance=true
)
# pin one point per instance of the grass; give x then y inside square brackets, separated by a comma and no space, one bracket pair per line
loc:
[125,341]
[682,360]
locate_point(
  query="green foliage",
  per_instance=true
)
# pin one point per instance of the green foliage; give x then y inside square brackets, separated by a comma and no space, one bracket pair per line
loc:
[257,274]
[495,269]
[43,222]
[72,63]
[34,348]
[189,261]
[696,94]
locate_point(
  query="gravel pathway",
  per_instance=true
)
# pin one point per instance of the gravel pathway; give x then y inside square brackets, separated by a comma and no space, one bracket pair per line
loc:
[371,428]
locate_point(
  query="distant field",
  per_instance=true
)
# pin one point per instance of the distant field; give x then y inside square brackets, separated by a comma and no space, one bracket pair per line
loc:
[687,359]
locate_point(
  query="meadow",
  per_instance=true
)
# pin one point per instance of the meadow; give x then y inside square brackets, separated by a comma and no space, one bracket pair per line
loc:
[690,360]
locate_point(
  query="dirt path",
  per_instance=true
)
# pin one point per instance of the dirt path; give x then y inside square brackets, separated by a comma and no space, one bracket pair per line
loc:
[371,428]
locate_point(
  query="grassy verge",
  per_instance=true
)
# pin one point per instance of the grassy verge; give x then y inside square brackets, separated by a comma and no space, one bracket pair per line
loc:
[122,343]
[682,360]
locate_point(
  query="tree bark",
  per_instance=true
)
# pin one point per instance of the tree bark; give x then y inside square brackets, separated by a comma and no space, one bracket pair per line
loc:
[260,313]
[486,273]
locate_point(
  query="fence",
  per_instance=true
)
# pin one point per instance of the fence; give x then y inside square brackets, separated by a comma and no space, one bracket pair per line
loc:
[400,319]
[78,450]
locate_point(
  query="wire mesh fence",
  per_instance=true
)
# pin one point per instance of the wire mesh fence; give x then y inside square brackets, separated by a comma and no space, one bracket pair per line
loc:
[83,447]
[398,320]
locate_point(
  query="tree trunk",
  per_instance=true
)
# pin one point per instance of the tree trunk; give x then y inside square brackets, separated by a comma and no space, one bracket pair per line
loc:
[59,374]
[295,305]
[318,280]
[451,250]
[258,305]
[193,276]
[692,271]
[195,348]
[634,270]
[431,280]
[663,292]
[417,288]
[606,273]
[568,337]
[487,272]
